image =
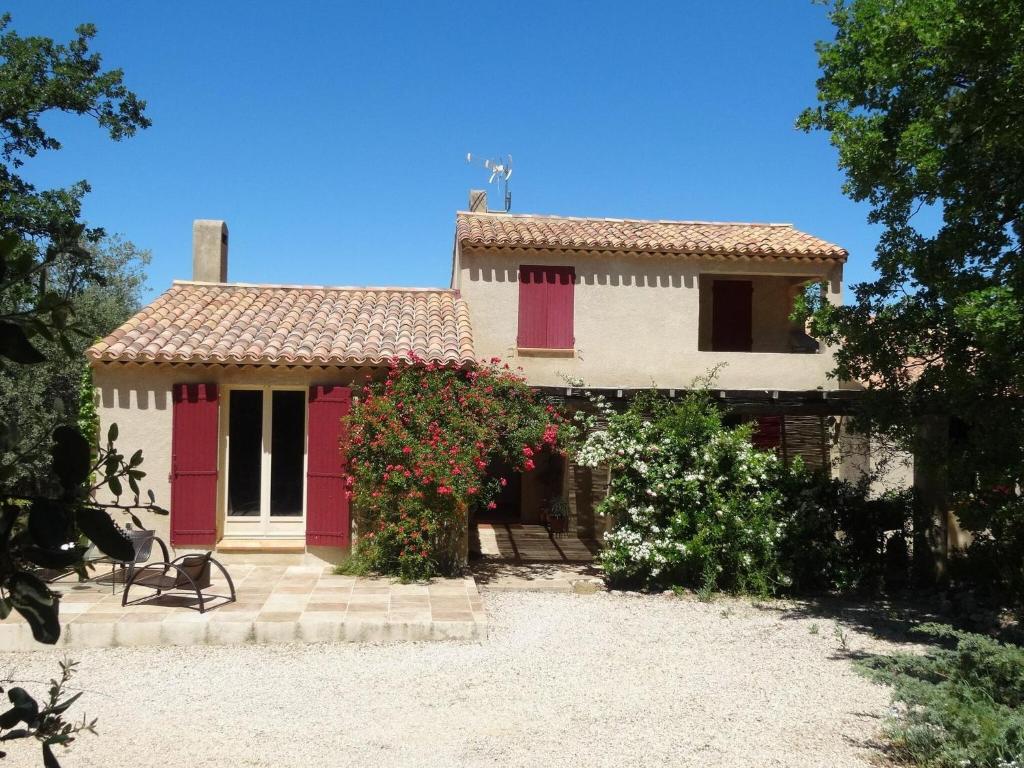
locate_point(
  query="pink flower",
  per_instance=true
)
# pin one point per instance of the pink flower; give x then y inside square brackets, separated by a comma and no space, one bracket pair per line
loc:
[527,451]
[406,449]
[529,464]
[492,505]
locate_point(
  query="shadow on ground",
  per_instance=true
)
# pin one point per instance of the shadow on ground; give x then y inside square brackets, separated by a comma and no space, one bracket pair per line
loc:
[887,619]
[487,571]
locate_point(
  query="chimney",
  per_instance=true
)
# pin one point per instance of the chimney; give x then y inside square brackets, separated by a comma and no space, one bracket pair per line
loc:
[209,251]
[478,200]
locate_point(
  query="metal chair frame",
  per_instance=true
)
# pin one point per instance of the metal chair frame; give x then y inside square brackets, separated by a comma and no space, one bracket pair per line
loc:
[182,579]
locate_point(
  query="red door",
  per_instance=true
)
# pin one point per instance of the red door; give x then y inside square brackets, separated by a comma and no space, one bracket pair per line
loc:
[732,316]
[194,465]
[328,522]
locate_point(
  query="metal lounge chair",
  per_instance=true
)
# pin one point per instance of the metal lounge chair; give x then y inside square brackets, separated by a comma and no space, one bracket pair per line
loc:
[186,573]
[142,542]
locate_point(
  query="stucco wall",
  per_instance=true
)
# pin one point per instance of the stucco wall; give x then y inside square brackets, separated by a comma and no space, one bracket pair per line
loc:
[637,320]
[138,399]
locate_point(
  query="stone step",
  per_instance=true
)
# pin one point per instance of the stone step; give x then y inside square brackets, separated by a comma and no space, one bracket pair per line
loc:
[262,546]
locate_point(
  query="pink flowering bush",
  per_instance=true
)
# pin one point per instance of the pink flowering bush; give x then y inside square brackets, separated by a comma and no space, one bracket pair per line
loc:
[419,446]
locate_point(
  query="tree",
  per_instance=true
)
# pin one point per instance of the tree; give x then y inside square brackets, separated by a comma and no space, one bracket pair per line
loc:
[48,260]
[43,229]
[924,100]
[35,400]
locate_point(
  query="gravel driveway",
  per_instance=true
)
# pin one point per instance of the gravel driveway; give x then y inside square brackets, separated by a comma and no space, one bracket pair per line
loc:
[563,680]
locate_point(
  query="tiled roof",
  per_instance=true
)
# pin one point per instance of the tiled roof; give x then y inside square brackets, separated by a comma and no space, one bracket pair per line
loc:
[703,238]
[226,323]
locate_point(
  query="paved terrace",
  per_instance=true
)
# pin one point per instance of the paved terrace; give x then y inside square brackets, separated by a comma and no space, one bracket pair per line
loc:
[517,557]
[276,604]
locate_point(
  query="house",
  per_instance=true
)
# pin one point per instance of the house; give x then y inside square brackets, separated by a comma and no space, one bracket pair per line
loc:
[235,392]
[622,305]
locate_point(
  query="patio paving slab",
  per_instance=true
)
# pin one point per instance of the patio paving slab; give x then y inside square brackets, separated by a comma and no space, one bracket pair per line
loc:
[276,604]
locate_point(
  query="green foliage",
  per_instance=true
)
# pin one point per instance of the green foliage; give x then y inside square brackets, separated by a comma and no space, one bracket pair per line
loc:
[956,707]
[420,446]
[51,267]
[923,100]
[836,537]
[694,503]
[45,722]
[353,565]
[36,399]
[993,564]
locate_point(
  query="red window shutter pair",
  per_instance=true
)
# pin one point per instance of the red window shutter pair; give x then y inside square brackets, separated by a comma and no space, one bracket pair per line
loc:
[194,466]
[546,296]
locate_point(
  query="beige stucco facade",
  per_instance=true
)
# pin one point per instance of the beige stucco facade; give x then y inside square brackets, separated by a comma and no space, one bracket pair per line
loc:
[640,320]
[637,318]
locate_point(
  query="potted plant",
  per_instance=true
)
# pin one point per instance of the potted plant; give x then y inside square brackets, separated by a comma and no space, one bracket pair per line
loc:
[558,516]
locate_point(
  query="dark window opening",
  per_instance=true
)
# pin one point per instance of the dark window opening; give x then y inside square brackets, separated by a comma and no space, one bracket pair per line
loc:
[732,316]
[245,453]
[288,437]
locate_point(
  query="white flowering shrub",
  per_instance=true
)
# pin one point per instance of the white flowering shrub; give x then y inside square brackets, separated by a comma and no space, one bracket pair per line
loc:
[694,503]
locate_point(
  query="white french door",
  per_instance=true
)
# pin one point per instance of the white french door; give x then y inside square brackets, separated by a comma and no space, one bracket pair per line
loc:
[266,463]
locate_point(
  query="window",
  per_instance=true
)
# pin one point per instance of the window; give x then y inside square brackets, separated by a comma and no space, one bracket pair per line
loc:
[732,316]
[546,307]
[266,462]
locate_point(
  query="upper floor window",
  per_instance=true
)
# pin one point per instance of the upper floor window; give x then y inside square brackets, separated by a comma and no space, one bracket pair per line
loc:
[546,307]
[732,316]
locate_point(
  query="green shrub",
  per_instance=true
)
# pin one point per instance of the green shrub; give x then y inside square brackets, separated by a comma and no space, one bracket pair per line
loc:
[695,503]
[420,445]
[836,537]
[958,707]
[993,564]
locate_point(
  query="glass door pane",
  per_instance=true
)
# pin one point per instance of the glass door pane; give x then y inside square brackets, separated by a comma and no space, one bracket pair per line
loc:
[287,450]
[245,452]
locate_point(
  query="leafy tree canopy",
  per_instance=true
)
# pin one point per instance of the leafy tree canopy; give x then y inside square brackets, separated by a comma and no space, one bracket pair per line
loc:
[39,77]
[52,265]
[36,399]
[924,100]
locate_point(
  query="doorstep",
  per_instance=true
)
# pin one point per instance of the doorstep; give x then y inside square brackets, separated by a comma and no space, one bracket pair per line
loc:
[276,604]
[258,546]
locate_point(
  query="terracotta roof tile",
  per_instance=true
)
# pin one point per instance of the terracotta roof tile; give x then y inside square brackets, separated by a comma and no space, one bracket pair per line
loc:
[705,238]
[206,322]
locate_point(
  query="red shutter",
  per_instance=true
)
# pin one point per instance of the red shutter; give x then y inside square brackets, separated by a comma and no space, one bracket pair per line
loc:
[194,465]
[327,513]
[732,315]
[546,296]
[561,289]
[767,433]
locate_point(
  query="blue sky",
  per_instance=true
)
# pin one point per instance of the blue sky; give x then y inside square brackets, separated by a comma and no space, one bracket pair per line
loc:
[332,136]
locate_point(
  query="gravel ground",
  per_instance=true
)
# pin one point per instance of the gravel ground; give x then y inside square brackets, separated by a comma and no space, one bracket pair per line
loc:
[563,680]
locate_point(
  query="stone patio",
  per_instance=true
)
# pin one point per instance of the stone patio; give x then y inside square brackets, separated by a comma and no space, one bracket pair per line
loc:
[516,557]
[513,542]
[276,604]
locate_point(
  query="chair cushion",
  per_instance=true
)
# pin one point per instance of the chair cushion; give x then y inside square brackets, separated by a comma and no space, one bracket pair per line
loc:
[198,569]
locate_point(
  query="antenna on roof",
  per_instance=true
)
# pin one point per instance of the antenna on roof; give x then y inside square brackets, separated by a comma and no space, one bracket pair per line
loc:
[501,172]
